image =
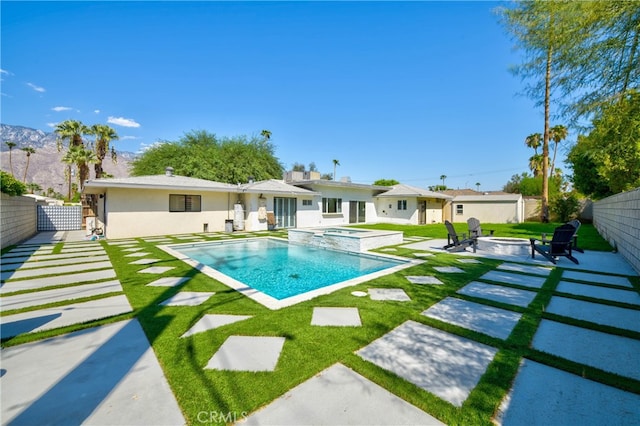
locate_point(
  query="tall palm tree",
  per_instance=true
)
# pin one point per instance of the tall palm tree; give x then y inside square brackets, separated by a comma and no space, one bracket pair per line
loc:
[28,150]
[335,163]
[10,145]
[266,134]
[534,141]
[443,177]
[557,134]
[71,131]
[104,134]
[478,186]
[81,157]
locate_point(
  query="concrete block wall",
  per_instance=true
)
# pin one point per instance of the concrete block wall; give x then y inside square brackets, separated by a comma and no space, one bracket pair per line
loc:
[18,219]
[617,218]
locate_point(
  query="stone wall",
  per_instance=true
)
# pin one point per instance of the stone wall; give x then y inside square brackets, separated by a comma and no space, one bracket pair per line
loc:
[18,219]
[617,218]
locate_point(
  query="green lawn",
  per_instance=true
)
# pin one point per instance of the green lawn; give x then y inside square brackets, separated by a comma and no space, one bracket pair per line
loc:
[311,349]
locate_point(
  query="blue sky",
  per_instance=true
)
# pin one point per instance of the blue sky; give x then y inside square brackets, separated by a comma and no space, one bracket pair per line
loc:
[407,91]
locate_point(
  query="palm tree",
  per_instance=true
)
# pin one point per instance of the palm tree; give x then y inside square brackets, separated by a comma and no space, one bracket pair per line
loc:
[557,134]
[266,134]
[71,130]
[32,187]
[10,145]
[535,164]
[81,157]
[335,163]
[104,134]
[443,177]
[28,150]
[534,141]
[478,186]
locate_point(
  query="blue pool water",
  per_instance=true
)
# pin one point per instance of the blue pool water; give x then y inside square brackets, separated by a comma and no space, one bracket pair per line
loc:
[282,270]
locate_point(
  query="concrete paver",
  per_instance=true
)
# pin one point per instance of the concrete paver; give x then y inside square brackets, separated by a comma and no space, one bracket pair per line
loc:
[543,395]
[60,316]
[41,283]
[57,262]
[597,278]
[339,396]
[527,269]
[213,321]
[394,294]
[485,319]
[188,298]
[340,317]
[444,364]
[614,316]
[247,353]
[424,279]
[518,279]
[26,300]
[499,293]
[605,293]
[616,354]
[102,375]
[28,273]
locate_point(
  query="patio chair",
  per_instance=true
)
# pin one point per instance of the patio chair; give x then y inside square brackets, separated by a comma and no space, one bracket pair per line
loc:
[559,246]
[475,230]
[454,243]
[576,224]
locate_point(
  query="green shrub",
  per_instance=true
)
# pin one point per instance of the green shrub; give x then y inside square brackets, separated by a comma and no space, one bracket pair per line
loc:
[10,185]
[565,206]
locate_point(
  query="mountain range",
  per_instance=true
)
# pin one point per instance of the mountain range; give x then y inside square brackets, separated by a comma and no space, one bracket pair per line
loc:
[45,165]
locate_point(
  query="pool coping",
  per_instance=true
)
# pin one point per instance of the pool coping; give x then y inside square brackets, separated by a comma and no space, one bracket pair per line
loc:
[271,302]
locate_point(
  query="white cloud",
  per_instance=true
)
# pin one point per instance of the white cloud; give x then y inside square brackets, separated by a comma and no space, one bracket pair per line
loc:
[52,125]
[129,138]
[97,111]
[124,122]
[61,108]
[36,88]
[4,71]
[145,146]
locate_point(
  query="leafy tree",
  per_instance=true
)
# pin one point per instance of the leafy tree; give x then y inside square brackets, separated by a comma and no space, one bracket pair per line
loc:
[28,151]
[200,154]
[10,185]
[104,134]
[386,182]
[513,186]
[335,163]
[607,160]
[438,187]
[298,167]
[11,145]
[543,30]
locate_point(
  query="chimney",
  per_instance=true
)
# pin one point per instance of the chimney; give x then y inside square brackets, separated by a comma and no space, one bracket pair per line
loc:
[168,171]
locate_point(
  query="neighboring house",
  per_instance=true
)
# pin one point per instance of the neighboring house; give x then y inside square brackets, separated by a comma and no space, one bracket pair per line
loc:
[489,208]
[406,204]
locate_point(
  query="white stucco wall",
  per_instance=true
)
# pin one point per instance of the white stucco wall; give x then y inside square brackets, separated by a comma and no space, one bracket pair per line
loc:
[138,213]
[489,211]
[387,211]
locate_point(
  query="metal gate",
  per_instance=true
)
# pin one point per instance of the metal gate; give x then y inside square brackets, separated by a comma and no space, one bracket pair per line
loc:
[59,218]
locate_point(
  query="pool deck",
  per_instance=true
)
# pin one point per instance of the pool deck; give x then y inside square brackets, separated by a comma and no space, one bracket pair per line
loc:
[110,375]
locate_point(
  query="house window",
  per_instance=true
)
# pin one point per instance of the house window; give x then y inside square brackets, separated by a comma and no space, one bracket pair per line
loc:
[332,205]
[184,203]
[458,208]
[307,202]
[402,204]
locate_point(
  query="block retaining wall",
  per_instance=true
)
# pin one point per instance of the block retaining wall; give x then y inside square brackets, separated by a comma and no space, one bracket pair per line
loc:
[617,218]
[18,219]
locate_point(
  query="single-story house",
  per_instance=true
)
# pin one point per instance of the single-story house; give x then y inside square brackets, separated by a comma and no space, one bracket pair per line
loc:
[406,204]
[142,206]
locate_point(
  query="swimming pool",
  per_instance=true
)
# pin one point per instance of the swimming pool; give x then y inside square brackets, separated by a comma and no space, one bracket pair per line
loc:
[277,273]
